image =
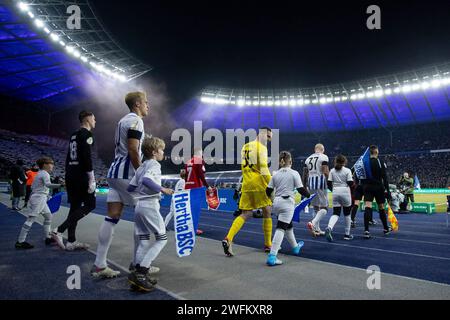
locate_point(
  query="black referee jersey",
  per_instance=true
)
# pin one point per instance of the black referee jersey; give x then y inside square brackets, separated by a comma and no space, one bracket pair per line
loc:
[379,176]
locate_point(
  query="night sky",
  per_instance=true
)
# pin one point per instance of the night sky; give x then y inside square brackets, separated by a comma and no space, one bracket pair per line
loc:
[276,44]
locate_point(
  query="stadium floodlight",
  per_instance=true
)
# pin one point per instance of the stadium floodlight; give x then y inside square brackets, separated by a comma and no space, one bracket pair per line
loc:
[307,101]
[292,103]
[39,23]
[315,101]
[278,103]
[54,37]
[300,102]
[406,88]
[70,49]
[446,80]
[344,98]
[217,101]
[361,95]
[76,53]
[285,102]
[270,102]
[256,103]
[353,97]
[322,100]
[436,83]
[202,99]
[248,102]
[240,102]
[22,6]
[101,68]
[329,99]
[388,91]
[337,99]
[370,94]
[378,93]
[425,85]
[263,103]
[397,90]
[415,86]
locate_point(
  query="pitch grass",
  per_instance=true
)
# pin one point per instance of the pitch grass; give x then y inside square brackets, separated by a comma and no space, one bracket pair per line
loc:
[439,199]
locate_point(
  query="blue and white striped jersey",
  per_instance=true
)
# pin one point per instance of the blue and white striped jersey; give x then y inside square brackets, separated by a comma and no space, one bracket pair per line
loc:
[316,178]
[130,126]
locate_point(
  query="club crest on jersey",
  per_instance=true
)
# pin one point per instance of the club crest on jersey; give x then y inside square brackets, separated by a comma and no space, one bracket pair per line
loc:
[90,140]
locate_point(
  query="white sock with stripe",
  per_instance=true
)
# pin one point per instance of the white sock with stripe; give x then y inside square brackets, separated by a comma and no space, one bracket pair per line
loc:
[348,221]
[291,237]
[143,247]
[277,240]
[334,218]
[316,221]
[105,236]
[153,252]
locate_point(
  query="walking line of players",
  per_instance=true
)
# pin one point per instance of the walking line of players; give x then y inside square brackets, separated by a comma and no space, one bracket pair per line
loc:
[136,183]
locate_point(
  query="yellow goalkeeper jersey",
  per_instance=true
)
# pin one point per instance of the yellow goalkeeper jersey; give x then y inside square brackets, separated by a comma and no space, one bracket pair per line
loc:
[255,170]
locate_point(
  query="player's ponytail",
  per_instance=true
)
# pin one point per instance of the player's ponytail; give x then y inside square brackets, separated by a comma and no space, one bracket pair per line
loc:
[285,159]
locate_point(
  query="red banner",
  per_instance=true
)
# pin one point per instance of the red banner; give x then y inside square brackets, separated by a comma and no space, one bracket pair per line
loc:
[212,198]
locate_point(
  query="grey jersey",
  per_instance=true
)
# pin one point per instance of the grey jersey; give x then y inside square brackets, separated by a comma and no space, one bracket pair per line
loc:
[285,181]
[42,183]
[149,169]
[340,177]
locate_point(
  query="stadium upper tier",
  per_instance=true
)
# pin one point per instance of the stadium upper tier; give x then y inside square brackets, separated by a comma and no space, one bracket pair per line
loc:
[389,101]
[42,60]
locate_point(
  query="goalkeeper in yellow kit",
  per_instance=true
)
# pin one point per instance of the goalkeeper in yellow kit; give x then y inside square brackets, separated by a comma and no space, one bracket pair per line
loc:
[256,177]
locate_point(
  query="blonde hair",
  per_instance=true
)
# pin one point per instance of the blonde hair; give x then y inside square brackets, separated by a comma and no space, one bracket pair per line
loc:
[285,158]
[151,144]
[132,97]
[319,147]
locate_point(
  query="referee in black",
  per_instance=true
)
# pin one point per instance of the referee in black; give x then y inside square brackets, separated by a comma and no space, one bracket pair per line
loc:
[377,187]
[80,181]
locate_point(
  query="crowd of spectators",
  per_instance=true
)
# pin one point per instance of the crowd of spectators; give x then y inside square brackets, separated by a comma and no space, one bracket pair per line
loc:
[404,149]
[14,146]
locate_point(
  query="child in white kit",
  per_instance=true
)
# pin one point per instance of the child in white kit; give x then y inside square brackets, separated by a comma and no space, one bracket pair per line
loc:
[40,190]
[339,182]
[146,187]
[285,181]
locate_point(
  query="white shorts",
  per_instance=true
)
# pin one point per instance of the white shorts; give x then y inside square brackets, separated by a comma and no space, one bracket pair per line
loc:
[148,219]
[342,197]
[284,209]
[321,198]
[118,192]
[38,205]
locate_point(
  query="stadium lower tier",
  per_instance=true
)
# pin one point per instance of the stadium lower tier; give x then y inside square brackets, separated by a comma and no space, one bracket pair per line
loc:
[413,262]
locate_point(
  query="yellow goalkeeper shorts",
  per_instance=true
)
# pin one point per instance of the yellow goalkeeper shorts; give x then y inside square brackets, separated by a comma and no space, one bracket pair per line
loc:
[252,200]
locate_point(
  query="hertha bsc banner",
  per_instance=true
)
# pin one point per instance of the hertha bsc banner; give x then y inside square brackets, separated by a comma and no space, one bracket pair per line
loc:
[187,206]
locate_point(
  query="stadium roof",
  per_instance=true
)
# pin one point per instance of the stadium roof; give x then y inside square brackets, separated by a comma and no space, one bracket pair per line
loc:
[41,60]
[387,101]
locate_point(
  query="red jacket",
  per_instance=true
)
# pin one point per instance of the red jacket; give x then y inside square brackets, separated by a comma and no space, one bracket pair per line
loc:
[195,170]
